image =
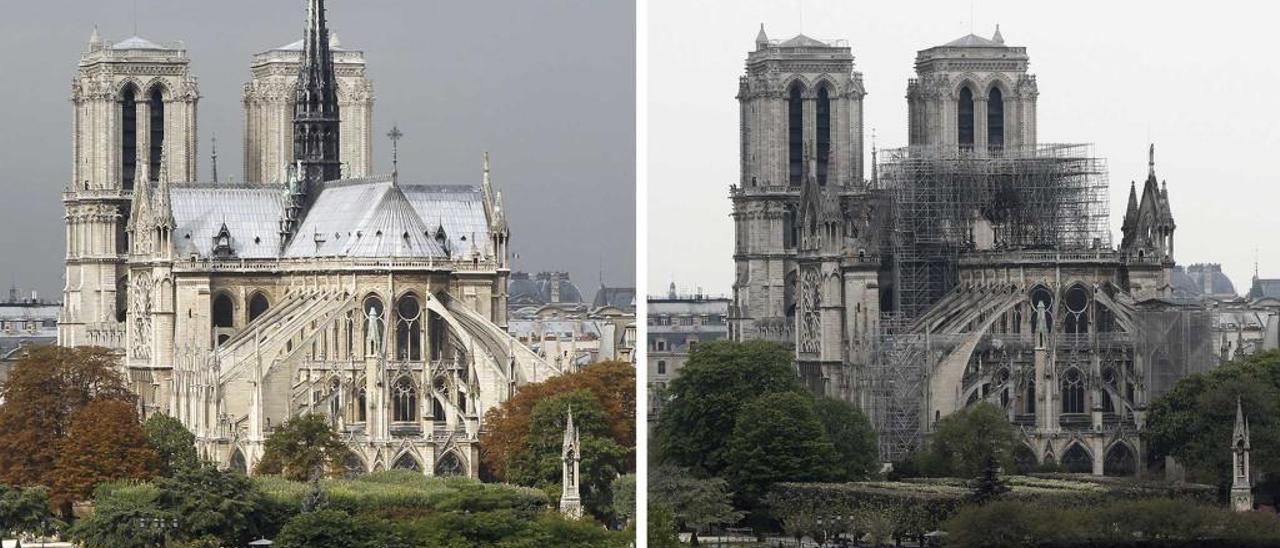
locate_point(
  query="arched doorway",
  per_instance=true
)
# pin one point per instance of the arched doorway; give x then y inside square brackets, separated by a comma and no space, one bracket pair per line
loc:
[1119,461]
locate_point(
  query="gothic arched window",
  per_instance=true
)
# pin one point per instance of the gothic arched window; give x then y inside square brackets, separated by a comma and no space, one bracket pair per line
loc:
[223,311]
[409,329]
[362,409]
[824,133]
[1076,300]
[404,399]
[128,136]
[995,119]
[258,305]
[156,102]
[795,134]
[964,124]
[1072,391]
[449,465]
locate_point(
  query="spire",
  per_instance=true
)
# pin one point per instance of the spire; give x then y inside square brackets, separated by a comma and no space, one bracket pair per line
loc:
[875,163]
[163,202]
[1241,433]
[316,114]
[997,38]
[762,39]
[1131,212]
[334,42]
[1151,161]
[315,121]
[95,40]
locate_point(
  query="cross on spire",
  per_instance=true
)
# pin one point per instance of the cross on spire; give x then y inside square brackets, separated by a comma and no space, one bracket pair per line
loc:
[395,135]
[215,157]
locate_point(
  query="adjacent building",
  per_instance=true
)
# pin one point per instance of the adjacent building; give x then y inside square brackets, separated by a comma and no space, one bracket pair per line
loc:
[677,325]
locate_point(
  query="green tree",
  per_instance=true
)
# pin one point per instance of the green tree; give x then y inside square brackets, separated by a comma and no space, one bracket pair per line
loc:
[663,532]
[697,422]
[624,498]
[43,392]
[172,441]
[538,464]
[1193,422]
[121,518]
[964,440]
[778,438]
[854,439]
[210,502]
[105,443]
[303,448]
[694,503]
[335,529]
[26,512]
[989,485]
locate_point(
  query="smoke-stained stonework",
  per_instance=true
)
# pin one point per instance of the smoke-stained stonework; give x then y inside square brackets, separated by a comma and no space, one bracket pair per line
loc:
[379,303]
[976,264]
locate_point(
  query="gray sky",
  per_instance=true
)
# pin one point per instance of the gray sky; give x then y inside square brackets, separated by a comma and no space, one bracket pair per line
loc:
[1117,74]
[546,86]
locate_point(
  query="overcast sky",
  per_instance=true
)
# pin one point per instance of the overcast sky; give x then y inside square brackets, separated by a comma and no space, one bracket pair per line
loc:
[546,86]
[1198,83]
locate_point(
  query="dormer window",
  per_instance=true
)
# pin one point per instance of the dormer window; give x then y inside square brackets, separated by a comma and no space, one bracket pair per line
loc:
[222,243]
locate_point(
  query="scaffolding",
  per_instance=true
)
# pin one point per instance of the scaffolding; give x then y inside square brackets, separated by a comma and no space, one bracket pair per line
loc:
[895,388]
[945,202]
[948,200]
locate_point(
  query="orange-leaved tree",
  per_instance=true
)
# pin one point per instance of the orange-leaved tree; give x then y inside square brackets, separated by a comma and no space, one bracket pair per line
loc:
[44,391]
[105,443]
[507,426]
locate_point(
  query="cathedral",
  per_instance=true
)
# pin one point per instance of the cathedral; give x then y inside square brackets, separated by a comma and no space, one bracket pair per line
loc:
[313,286]
[975,264]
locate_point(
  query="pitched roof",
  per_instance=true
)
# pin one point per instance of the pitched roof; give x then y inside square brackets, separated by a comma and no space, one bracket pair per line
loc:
[973,41]
[802,41]
[363,220]
[137,42]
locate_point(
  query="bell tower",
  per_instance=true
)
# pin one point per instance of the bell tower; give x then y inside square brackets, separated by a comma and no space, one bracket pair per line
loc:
[799,98]
[134,108]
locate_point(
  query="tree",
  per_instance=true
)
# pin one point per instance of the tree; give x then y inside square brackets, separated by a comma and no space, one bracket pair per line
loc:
[211,503]
[303,448]
[694,503]
[538,463]
[507,426]
[1193,422]
[173,442]
[662,526]
[122,517]
[624,498]
[698,420]
[778,438]
[335,529]
[989,485]
[964,440]
[26,512]
[105,443]
[45,389]
[854,439]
